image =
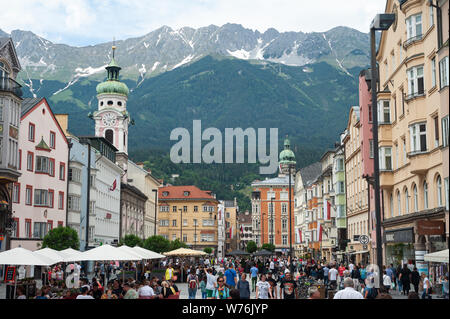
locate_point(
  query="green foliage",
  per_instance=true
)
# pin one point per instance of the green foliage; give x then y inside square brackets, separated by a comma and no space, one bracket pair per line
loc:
[157,244]
[175,244]
[131,241]
[61,238]
[251,247]
[269,247]
[208,250]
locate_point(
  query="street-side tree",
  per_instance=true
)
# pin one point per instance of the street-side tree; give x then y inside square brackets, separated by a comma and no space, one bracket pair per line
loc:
[175,244]
[269,247]
[61,238]
[208,250]
[251,247]
[131,241]
[157,244]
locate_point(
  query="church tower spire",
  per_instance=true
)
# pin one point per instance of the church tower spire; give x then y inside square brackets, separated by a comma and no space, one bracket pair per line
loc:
[111,118]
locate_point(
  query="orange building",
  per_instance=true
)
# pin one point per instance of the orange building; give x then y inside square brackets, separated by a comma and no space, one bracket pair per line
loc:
[270,206]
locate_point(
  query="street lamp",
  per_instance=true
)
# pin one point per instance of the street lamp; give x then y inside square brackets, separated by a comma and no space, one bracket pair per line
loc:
[381,22]
[156,199]
[181,224]
[272,221]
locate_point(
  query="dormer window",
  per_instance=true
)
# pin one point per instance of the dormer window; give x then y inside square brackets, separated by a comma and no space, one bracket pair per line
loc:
[165,194]
[186,193]
[3,71]
[110,102]
[119,103]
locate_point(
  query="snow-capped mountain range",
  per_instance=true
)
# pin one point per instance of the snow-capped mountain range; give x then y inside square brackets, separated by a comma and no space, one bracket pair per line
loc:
[165,49]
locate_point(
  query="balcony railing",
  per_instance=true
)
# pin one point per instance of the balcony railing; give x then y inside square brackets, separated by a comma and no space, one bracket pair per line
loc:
[9,85]
[412,40]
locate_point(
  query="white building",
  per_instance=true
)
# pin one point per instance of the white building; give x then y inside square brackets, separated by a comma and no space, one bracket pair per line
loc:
[221,229]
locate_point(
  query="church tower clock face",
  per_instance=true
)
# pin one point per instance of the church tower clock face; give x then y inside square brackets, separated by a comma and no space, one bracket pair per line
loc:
[109,119]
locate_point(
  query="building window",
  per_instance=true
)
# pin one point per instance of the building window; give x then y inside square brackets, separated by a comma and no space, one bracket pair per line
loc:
[30,161]
[406,201]
[62,171]
[20,159]
[208,222]
[418,134]
[16,193]
[29,195]
[433,72]
[61,200]
[52,140]
[42,164]
[443,72]
[185,222]
[28,233]
[31,132]
[15,227]
[414,28]
[431,16]
[284,225]
[284,208]
[40,230]
[51,197]
[439,191]
[184,209]
[73,203]
[49,225]
[415,81]
[416,198]
[174,209]
[447,191]
[425,195]
[340,187]
[404,152]
[109,135]
[195,208]
[185,238]
[386,158]
[445,131]
[399,203]
[384,112]
[340,165]
[164,223]
[51,167]
[371,148]
[174,223]
[285,240]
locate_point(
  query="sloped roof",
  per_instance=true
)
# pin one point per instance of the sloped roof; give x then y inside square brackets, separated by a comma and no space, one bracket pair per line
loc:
[311,172]
[280,180]
[177,192]
[28,103]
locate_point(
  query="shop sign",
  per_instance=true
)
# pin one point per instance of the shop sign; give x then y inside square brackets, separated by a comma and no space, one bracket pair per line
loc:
[430,227]
[399,236]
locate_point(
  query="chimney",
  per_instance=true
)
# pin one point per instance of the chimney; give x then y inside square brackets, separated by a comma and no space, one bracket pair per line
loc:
[140,164]
[63,120]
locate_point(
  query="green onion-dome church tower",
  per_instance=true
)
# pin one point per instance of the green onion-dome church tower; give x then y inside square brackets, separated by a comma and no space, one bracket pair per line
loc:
[112,119]
[287,157]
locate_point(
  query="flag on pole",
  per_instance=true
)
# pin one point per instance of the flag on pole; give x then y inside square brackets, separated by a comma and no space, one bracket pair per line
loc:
[300,235]
[320,232]
[319,235]
[328,209]
[113,186]
[242,229]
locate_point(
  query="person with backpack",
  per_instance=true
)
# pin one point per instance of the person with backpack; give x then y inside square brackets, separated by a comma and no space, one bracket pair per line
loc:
[192,280]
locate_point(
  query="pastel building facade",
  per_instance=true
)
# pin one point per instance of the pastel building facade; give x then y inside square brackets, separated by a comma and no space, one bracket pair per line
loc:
[39,195]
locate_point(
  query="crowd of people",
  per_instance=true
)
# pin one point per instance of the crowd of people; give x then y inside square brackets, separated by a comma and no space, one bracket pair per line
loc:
[236,278]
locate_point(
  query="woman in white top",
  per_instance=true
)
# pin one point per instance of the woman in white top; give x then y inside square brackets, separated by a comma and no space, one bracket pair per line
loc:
[386,281]
[426,287]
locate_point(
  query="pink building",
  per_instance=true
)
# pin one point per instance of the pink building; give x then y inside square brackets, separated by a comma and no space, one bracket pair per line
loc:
[365,102]
[40,192]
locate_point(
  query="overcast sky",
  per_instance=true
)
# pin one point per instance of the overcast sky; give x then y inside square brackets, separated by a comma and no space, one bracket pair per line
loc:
[85,22]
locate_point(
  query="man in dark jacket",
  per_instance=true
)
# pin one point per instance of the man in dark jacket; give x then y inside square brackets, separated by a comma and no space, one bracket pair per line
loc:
[415,279]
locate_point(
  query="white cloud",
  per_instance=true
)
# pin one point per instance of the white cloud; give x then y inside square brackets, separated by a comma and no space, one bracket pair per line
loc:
[84,22]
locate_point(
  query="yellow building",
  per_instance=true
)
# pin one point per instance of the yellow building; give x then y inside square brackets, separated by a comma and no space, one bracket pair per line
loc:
[188,214]
[413,76]
[356,190]
[231,229]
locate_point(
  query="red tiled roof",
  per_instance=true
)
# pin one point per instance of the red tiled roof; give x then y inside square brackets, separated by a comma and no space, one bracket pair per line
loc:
[177,192]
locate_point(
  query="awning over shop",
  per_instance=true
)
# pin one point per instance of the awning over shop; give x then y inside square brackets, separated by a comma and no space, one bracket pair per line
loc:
[438,257]
[359,252]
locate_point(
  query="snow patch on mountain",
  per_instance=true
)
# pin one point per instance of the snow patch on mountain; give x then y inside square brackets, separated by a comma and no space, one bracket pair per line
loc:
[155,65]
[89,71]
[187,59]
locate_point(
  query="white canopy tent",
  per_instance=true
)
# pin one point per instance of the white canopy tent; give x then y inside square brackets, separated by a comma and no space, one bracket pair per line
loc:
[438,257]
[130,250]
[21,256]
[70,254]
[107,252]
[50,253]
[148,253]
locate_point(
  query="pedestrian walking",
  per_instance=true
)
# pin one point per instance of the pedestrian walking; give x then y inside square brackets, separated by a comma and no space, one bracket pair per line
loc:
[405,279]
[415,279]
[348,292]
[231,277]
[254,275]
[193,283]
[203,287]
[288,288]
[332,277]
[427,287]
[244,287]
[387,282]
[210,283]
[263,289]
[221,292]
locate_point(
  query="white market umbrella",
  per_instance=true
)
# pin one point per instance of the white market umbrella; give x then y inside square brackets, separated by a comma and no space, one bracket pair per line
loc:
[438,257]
[185,252]
[148,253]
[107,252]
[21,256]
[70,254]
[130,250]
[50,253]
